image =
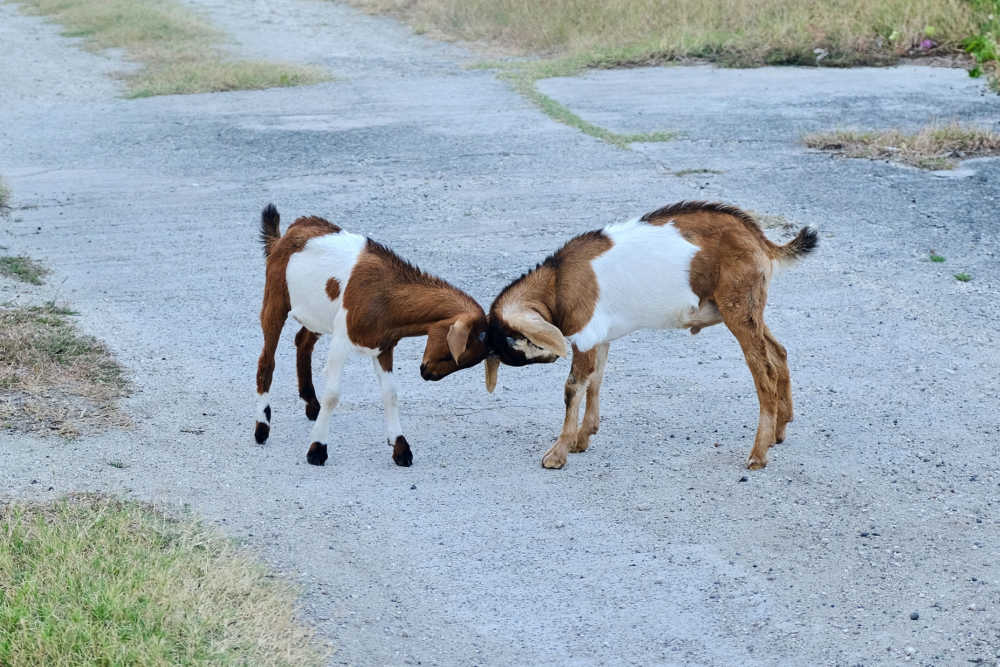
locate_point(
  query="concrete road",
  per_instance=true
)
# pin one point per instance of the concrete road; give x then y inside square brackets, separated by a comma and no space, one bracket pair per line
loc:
[654,547]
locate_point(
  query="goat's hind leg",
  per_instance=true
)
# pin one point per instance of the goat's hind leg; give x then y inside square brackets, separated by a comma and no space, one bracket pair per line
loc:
[779,357]
[745,320]
[592,413]
[580,372]
[401,453]
[339,347]
[272,319]
[305,341]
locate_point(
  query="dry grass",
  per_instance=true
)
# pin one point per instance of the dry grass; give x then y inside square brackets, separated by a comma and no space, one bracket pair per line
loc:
[733,32]
[932,147]
[95,581]
[175,47]
[52,379]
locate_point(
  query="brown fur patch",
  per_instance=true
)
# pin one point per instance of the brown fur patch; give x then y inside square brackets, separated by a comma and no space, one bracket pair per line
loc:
[388,299]
[563,288]
[729,238]
[333,288]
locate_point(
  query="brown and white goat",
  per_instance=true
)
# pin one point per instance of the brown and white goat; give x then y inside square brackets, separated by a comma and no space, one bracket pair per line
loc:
[367,298]
[688,266]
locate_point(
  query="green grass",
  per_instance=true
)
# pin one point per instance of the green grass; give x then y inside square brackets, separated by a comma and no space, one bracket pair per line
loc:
[742,33]
[931,147]
[936,257]
[177,50]
[22,268]
[94,581]
[963,277]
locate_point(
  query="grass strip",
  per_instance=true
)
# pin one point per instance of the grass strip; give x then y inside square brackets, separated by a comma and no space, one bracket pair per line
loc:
[523,78]
[22,268]
[937,146]
[176,48]
[92,580]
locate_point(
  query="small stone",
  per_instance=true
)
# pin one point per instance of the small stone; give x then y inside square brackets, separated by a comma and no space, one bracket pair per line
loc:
[413,487]
[744,478]
[914,616]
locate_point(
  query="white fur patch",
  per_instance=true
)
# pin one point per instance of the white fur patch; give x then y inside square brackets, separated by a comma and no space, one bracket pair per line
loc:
[322,258]
[263,401]
[530,350]
[644,283]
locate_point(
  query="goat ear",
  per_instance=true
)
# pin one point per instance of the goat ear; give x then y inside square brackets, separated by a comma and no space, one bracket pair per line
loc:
[492,364]
[536,329]
[458,338]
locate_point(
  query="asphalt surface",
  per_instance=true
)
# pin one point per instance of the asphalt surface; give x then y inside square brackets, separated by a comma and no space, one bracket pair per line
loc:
[655,546]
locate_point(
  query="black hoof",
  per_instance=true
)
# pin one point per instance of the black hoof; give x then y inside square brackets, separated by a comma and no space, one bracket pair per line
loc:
[312,410]
[401,453]
[260,432]
[317,454]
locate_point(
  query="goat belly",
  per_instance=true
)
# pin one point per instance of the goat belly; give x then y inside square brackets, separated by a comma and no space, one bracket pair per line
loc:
[310,270]
[643,282]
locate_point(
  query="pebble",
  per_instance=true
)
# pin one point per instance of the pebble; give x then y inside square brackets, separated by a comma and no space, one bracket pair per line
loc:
[914,616]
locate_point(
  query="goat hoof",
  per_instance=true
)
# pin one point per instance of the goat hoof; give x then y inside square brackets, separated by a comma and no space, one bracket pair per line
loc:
[554,460]
[316,454]
[581,443]
[756,462]
[260,432]
[401,453]
[312,410]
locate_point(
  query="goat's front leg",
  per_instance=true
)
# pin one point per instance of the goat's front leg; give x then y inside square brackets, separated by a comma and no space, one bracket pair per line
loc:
[579,373]
[305,340]
[401,453]
[339,347]
[592,414]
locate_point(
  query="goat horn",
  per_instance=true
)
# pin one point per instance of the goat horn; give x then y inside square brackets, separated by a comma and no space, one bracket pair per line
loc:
[492,364]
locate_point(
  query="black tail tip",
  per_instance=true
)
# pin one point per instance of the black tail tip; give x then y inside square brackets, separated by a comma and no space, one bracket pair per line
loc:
[269,213]
[269,232]
[806,241]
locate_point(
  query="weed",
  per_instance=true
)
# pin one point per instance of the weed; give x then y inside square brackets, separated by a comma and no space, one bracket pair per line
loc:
[982,44]
[963,277]
[936,257]
[22,268]
[692,172]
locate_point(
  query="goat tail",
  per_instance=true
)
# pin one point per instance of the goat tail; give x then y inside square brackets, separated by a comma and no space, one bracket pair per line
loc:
[804,243]
[269,231]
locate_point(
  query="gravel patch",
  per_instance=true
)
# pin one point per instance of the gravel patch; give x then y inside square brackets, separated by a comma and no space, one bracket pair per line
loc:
[653,547]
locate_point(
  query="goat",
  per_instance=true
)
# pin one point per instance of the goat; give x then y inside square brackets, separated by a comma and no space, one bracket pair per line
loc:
[689,265]
[367,298]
